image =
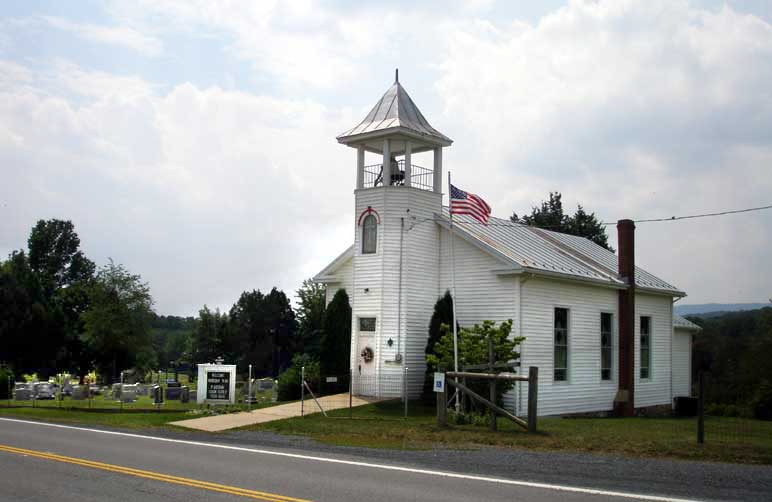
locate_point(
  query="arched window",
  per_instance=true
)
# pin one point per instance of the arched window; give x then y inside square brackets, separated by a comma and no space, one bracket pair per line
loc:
[369,234]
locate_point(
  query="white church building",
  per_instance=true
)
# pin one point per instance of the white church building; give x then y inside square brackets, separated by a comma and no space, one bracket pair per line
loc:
[601,341]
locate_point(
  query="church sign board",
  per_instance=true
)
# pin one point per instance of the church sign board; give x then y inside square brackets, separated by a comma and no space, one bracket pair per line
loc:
[216,384]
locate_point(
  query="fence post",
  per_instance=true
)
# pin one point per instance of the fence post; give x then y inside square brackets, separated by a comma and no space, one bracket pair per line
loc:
[492,383]
[701,409]
[302,388]
[404,388]
[533,396]
[442,409]
[350,393]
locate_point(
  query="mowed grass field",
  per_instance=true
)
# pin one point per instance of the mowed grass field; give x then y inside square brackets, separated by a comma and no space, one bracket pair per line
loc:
[382,426]
[103,410]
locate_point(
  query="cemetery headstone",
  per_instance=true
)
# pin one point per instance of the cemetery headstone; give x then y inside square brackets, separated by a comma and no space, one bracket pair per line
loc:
[129,393]
[22,392]
[265,384]
[79,392]
[157,394]
[173,390]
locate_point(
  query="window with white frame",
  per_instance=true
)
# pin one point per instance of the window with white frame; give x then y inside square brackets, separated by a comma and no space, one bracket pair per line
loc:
[561,344]
[645,344]
[369,234]
[367,324]
[606,345]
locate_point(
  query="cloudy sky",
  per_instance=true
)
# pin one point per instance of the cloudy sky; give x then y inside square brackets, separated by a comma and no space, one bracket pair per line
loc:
[194,142]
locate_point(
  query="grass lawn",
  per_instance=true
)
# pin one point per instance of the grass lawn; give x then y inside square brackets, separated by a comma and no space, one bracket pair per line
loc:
[381,425]
[132,420]
[105,411]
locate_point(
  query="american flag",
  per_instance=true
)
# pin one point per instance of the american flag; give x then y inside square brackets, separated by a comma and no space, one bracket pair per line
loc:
[462,202]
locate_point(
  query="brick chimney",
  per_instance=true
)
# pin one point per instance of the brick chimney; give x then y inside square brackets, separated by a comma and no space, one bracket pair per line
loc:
[624,400]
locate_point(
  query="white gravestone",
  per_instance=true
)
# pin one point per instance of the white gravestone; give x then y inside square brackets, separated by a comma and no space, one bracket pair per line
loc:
[216,384]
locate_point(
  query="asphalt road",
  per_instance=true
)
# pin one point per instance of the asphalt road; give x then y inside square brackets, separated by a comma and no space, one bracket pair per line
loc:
[41,462]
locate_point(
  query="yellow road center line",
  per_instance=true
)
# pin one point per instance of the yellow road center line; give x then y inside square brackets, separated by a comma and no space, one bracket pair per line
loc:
[232,490]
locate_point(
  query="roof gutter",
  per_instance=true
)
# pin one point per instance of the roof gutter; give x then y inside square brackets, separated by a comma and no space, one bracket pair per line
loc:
[573,278]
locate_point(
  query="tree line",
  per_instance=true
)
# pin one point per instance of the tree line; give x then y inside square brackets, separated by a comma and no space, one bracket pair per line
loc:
[59,313]
[734,349]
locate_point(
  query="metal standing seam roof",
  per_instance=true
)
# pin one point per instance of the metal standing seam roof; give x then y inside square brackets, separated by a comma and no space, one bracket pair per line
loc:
[684,323]
[554,252]
[396,110]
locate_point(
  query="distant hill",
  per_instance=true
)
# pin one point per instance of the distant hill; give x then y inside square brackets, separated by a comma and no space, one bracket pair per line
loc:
[716,308]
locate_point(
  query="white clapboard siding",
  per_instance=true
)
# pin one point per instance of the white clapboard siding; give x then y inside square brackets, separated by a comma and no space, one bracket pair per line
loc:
[481,294]
[584,391]
[379,274]
[346,275]
[657,389]
[420,282]
[682,362]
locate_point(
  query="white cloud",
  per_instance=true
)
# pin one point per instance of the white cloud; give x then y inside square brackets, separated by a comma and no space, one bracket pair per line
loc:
[121,36]
[634,109]
[205,192]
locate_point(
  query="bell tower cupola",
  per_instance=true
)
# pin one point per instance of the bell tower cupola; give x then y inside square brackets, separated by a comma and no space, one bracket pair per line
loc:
[395,128]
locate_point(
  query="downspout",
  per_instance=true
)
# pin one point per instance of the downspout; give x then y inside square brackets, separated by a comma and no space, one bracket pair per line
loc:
[520,280]
[398,357]
[672,334]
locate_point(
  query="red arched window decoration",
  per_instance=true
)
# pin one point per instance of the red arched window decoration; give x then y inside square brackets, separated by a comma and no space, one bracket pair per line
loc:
[366,212]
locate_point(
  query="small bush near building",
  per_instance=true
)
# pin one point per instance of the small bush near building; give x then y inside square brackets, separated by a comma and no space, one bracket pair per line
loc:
[289,381]
[6,381]
[762,402]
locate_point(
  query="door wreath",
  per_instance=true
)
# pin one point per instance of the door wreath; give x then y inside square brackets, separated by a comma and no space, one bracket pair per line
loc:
[367,354]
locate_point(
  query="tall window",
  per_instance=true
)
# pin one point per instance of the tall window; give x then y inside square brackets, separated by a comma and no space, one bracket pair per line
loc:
[561,344]
[606,350]
[369,234]
[645,347]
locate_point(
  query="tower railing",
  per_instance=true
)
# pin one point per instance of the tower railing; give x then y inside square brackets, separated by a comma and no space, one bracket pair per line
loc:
[420,177]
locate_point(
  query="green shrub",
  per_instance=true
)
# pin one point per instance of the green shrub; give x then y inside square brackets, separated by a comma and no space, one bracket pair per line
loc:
[716,410]
[289,381]
[6,383]
[762,401]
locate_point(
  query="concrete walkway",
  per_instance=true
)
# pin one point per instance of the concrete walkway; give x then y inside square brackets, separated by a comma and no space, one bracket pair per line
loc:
[218,423]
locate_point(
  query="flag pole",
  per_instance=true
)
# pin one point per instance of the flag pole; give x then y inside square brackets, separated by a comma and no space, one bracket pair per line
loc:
[453,293]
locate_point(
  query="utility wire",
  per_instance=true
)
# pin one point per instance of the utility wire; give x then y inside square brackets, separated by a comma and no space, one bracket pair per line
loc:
[651,220]
[704,215]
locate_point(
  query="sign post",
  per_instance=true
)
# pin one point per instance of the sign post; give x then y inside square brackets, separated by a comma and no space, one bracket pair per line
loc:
[439,389]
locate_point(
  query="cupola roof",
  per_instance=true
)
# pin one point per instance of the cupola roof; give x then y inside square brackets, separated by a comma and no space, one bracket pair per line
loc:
[395,114]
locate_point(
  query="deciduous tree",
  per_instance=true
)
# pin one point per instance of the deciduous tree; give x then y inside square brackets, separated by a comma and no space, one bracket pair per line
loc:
[117,322]
[310,315]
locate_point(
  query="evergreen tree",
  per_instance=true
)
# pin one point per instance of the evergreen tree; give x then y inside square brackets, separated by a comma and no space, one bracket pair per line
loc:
[262,332]
[335,347]
[443,314]
[550,216]
[207,337]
